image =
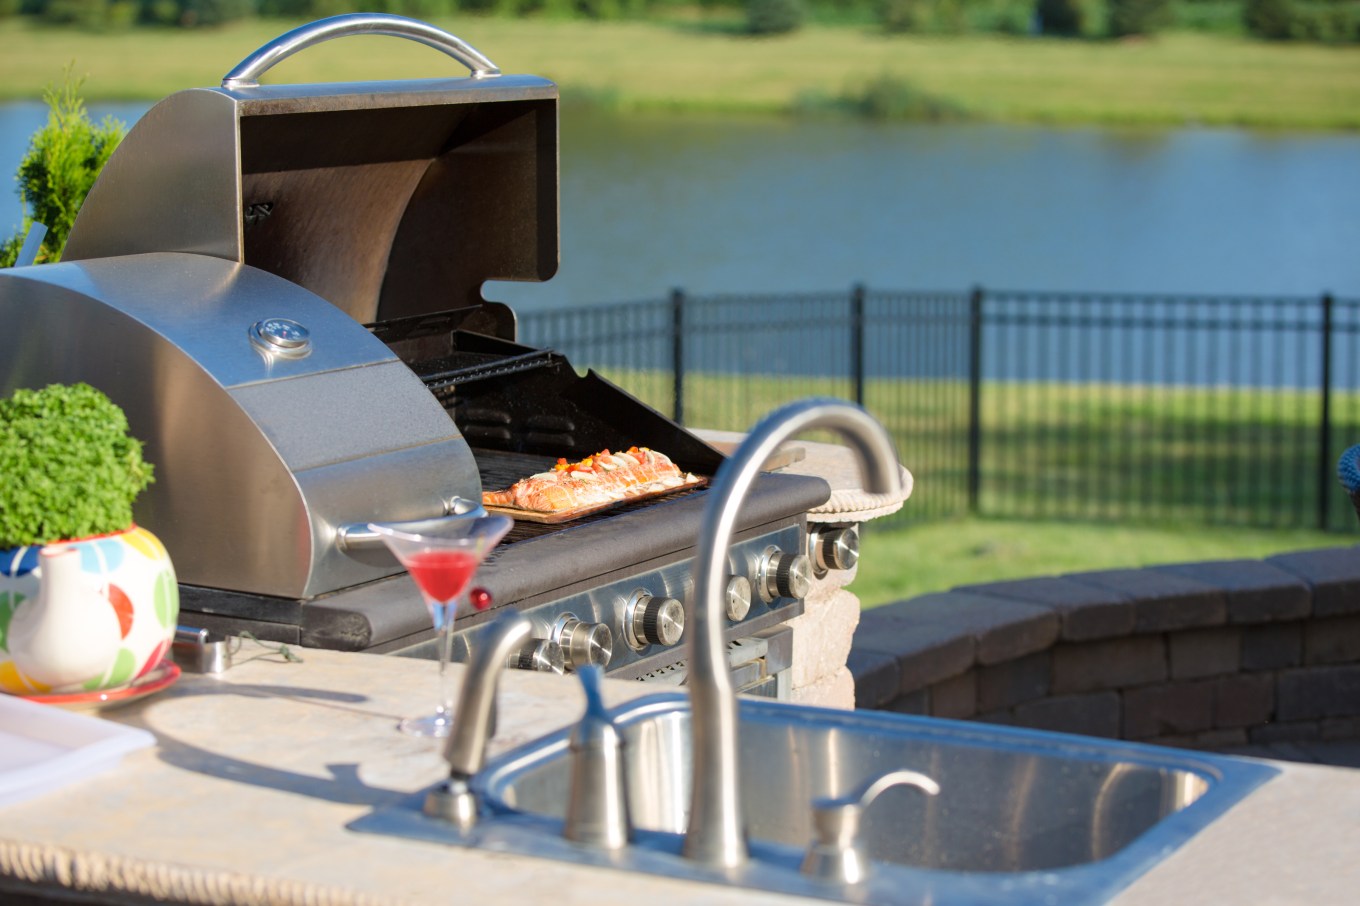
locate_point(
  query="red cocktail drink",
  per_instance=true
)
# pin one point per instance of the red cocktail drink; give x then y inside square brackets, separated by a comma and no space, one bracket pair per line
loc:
[442,558]
[442,575]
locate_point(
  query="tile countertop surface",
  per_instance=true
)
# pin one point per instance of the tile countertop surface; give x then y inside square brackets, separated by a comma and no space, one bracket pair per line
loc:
[257,772]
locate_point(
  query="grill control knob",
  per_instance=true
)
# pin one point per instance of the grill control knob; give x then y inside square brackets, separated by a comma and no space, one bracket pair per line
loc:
[650,620]
[782,575]
[541,655]
[583,644]
[738,598]
[834,548]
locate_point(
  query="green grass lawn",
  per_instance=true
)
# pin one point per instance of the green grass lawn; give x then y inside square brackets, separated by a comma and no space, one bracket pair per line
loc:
[1145,475]
[902,563]
[1174,79]
[1129,453]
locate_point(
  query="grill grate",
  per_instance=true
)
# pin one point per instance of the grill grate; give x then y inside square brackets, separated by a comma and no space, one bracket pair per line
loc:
[500,469]
[447,373]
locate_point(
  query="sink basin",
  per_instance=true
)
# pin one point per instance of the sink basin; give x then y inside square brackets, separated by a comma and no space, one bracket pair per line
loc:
[1022,816]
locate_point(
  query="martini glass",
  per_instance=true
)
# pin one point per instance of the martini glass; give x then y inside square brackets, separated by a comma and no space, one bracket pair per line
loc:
[442,560]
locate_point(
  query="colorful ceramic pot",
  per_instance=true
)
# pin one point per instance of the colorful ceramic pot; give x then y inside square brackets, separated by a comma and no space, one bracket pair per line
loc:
[95,613]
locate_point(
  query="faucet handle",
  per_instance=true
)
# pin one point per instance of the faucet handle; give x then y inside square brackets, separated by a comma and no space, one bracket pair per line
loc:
[837,853]
[597,807]
[591,676]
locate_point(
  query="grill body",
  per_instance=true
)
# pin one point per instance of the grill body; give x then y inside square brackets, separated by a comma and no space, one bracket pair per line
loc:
[282,286]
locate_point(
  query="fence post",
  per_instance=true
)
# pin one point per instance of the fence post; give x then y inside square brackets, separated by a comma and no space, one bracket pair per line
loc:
[1326,467]
[857,293]
[974,399]
[678,355]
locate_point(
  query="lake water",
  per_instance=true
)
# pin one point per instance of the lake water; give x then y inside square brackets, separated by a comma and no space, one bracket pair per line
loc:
[727,205]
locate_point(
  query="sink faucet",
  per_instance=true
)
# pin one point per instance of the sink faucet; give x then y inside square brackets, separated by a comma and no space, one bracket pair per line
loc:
[717,833]
[837,853]
[474,722]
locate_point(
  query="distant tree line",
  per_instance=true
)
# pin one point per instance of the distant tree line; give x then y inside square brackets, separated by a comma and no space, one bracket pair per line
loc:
[1327,21]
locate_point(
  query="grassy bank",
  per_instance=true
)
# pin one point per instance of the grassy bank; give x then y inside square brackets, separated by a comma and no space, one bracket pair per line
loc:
[903,563]
[1175,79]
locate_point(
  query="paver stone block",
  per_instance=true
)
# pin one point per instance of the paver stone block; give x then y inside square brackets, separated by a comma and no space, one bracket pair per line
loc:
[1085,611]
[1256,591]
[1163,602]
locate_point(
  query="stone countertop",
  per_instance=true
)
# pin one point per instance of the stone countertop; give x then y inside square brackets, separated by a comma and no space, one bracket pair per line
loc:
[258,771]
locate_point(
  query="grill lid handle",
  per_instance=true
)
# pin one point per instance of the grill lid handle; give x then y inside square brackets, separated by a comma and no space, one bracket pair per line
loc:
[357,539]
[247,73]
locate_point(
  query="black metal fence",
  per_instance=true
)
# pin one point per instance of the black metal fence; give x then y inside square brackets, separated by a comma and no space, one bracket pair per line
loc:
[1213,410]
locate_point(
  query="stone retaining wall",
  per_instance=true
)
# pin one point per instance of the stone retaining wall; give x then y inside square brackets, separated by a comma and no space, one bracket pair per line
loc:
[1208,655]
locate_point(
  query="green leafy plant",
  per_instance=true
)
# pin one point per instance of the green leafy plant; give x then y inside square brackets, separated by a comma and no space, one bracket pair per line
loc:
[70,467]
[64,157]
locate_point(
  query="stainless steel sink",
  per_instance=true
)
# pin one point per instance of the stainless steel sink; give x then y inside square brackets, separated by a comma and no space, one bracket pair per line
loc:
[1021,816]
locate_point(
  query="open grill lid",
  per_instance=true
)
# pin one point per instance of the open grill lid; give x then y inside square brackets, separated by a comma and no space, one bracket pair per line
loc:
[388,199]
[228,218]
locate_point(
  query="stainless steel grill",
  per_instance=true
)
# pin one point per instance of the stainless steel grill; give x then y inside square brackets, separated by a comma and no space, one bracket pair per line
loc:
[282,286]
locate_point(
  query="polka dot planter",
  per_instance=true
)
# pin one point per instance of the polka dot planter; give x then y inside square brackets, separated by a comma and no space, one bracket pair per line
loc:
[94,613]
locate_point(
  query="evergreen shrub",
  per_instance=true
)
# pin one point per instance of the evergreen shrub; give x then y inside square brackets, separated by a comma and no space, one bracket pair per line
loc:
[904,16]
[1210,16]
[1139,17]
[1290,20]
[774,17]
[1065,18]
[1269,19]
[86,14]
[208,13]
[889,97]
[63,160]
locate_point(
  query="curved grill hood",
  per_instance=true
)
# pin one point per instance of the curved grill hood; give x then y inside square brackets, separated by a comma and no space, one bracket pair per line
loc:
[335,206]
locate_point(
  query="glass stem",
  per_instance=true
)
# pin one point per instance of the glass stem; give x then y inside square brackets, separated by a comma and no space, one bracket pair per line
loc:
[445,712]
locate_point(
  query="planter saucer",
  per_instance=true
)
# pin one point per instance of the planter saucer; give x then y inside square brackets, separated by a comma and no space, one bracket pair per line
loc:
[154,680]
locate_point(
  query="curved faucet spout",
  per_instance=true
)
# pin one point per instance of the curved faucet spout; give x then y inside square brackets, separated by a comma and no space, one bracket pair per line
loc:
[717,834]
[475,721]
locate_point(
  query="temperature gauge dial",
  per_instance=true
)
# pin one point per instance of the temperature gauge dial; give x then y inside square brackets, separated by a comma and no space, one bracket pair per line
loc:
[281,337]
